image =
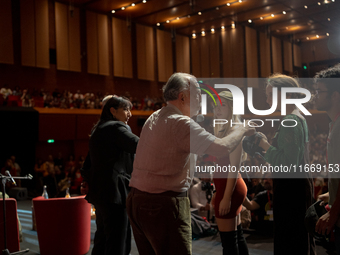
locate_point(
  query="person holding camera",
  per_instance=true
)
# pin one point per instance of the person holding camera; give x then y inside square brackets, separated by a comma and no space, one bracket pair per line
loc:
[231,190]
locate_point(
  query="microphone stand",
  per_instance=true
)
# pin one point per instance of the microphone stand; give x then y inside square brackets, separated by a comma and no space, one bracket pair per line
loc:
[4,179]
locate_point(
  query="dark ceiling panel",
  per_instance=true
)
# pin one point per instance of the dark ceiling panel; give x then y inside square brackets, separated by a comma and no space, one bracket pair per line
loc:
[184,19]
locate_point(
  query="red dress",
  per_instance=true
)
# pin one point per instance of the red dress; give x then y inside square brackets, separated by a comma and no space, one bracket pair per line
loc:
[238,196]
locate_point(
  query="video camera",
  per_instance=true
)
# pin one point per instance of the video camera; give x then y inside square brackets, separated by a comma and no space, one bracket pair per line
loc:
[208,187]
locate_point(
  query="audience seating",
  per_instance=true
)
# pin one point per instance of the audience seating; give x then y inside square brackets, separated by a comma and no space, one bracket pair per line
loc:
[63,225]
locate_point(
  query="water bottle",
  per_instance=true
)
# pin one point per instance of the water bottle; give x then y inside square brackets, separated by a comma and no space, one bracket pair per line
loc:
[44,194]
[67,193]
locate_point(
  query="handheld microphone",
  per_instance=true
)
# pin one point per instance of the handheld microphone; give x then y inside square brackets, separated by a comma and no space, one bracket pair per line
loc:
[10,176]
[199,118]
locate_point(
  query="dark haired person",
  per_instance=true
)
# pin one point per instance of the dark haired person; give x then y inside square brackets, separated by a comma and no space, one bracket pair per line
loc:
[328,99]
[158,205]
[289,147]
[107,171]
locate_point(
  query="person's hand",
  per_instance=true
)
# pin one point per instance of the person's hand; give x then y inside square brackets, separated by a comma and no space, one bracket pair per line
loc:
[249,129]
[225,205]
[213,200]
[324,198]
[325,224]
[207,207]
[84,188]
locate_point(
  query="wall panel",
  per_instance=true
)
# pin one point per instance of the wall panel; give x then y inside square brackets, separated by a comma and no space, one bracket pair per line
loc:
[6,34]
[233,43]
[27,26]
[74,41]
[251,53]
[61,27]
[103,45]
[214,52]
[182,54]
[288,57]
[42,34]
[145,53]
[205,57]
[265,59]
[164,55]
[196,57]
[92,42]
[277,55]
[297,55]
[122,50]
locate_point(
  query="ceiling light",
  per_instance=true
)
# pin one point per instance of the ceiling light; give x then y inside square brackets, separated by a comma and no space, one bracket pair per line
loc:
[327,34]
[123,8]
[158,24]
[222,28]
[228,4]
[177,18]
[132,4]
[213,31]
[261,18]
[199,13]
[317,36]
[203,33]
[194,36]
[307,38]
[319,3]
[272,15]
[284,12]
[144,1]
[217,8]
[233,24]
[250,21]
[329,19]
[188,16]
[240,1]
[113,11]
[306,6]
[168,21]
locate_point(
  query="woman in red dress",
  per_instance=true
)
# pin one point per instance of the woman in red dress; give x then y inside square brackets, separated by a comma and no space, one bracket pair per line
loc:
[230,187]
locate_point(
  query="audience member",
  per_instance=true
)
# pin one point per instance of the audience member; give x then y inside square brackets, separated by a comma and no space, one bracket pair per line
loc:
[328,99]
[262,205]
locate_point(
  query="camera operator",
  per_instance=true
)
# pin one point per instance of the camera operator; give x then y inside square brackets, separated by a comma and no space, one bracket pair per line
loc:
[200,197]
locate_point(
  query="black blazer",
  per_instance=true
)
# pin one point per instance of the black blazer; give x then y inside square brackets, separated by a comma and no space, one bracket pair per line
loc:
[109,164]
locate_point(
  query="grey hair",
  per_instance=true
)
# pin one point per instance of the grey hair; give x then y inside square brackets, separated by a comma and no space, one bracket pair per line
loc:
[177,83]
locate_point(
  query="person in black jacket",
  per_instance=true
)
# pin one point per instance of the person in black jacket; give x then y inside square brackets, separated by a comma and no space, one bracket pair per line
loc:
[106,173]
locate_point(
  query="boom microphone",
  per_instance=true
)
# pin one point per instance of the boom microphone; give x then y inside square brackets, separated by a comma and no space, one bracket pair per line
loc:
[199,118]
[10,176]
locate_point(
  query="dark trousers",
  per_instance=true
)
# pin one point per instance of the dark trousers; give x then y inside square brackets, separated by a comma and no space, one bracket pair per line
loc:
[161,224]
[113,235]
[292,197]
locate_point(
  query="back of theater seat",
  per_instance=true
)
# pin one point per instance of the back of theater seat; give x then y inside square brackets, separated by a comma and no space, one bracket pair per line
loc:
[12,228]
[63,225]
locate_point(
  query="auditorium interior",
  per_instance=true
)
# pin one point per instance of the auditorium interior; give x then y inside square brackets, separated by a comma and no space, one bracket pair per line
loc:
[60,58]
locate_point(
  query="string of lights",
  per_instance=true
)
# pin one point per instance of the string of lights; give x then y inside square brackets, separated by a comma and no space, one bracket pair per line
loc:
[232,25]
[128,6]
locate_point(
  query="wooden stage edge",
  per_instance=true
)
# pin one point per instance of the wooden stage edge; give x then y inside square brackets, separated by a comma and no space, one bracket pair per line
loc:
[42,110]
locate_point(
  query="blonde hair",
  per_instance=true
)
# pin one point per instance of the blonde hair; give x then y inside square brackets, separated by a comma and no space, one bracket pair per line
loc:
[221,131]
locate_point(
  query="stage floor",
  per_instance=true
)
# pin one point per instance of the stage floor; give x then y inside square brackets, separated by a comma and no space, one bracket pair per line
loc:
[258,245]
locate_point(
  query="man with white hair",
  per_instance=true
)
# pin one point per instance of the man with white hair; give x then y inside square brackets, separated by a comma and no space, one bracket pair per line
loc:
[158,205]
